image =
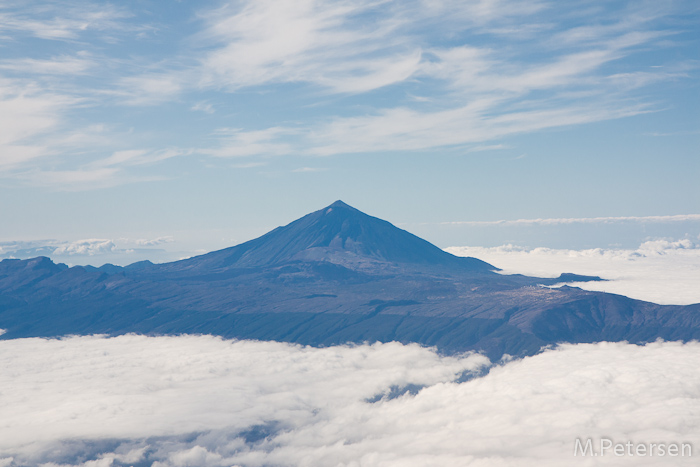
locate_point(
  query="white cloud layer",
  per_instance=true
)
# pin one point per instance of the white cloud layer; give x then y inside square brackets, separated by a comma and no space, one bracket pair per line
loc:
[200,400]
[659,271]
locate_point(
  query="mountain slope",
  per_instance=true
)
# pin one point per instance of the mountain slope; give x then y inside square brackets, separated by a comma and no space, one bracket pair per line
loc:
[336,275]
[337,233]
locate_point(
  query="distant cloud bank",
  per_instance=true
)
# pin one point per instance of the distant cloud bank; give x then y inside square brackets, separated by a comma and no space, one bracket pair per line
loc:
[93,251]
[659,271]
[580,220]
[203,401]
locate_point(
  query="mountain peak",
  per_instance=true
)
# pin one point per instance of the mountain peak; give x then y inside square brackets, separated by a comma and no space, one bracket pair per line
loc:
[337,233]
[341,204]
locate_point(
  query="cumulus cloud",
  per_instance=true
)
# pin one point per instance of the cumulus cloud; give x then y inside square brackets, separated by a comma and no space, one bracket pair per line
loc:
[200,400]
[95,252]
[659,271]
[89,247]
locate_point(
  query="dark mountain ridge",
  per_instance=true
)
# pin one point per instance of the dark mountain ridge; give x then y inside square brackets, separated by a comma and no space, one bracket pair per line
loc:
[336,275]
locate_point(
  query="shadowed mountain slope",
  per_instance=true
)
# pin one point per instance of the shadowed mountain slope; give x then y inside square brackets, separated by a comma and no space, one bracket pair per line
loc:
[334,276]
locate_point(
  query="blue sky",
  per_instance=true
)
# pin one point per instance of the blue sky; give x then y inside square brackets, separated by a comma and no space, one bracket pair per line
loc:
[140,126]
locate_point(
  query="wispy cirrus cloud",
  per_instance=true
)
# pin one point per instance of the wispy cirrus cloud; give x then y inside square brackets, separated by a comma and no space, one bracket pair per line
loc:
[100,172]
[453,74]
[408,129]
[346,47]
[27,112]
[62,65]
[41,143]
[63,20]
[479,93]
[236,142]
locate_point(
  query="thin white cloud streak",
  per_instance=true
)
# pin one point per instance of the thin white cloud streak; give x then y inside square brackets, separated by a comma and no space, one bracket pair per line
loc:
[235,142]
[109,171]
[133,157]
[479,13]
[203,107]
[580,220]
[27,112]
[155,241]
[327,43]
[63,20]
[309,169]
[64,65]
[148,89]
[411,130]
[406,129]
[62,396]
[478,70]
[660,271]
[72,180]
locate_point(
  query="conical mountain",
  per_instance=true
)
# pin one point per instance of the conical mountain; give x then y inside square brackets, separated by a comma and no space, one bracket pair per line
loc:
[334,276]
[337,233]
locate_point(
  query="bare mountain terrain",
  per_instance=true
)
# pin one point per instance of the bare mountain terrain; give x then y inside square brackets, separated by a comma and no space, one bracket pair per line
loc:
[334,276]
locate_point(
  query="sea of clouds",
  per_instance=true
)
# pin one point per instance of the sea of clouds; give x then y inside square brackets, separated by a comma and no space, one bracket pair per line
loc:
[190,400]
[659,271]
[204,401]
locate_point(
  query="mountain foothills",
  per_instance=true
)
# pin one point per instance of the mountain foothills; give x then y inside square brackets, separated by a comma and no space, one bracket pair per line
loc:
[334,276]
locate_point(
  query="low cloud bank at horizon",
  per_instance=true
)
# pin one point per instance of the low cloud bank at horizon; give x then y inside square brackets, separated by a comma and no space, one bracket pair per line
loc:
[660,271]
[203,401]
